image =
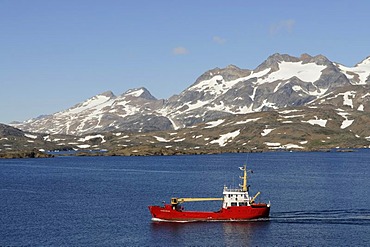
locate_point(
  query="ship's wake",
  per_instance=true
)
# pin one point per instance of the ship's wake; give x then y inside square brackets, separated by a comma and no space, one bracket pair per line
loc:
[352,216]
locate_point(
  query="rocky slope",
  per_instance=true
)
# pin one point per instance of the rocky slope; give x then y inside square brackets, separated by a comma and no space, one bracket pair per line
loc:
[15,143]
[337,120]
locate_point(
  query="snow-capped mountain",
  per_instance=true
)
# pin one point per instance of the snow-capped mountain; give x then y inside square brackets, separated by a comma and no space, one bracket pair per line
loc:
[131,111]
[280,81]
[360,74]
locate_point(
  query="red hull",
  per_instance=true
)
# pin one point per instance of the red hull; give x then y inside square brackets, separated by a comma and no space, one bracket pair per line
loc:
[233,213]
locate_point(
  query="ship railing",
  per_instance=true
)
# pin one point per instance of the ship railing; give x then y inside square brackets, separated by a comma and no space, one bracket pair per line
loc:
[233,190]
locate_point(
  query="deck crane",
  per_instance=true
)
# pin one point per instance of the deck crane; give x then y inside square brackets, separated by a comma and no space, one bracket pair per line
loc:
[175,201]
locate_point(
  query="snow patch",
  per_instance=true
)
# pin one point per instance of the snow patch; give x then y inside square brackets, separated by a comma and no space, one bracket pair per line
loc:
[47,138]
[277,87]
[265,103]
[161,139]
[346,123]
[346,98]
[84,146]
[248,120]
[364,96]
[87,138]
[297,88]
[321,122]
[272,144]
[222,141]
[124,137]
[277,145]
[175,126]
[180,140]
[290,146]
[30,136]
[98,100]
[309,72]
[198,136]
[265,132]
[213,124]
[292,116]
[244,109]
[318,92]
[135,93]
[260,74]
[288,111]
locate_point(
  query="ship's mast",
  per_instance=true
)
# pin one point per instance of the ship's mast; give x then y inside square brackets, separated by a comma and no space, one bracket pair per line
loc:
[245,179]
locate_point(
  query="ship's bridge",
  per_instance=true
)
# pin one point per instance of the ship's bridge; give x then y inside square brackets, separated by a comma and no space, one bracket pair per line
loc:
[239,197]
[235,197]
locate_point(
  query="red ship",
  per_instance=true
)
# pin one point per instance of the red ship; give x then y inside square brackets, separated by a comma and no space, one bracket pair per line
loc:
[237,206]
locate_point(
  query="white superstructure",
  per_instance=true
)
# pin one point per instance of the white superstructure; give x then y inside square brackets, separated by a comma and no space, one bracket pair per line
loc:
[240,196]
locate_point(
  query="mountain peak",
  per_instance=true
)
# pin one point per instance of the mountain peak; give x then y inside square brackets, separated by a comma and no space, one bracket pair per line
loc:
[231,72]
[366,61]
[305,56]
[321,60]
[274,60]
[232,66]
[277,57]
[108,94]
[141,92]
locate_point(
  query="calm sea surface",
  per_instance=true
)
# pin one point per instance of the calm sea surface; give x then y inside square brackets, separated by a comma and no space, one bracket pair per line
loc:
[318,199]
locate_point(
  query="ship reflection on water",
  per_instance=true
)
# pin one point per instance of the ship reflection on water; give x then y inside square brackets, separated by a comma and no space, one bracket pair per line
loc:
[244,233]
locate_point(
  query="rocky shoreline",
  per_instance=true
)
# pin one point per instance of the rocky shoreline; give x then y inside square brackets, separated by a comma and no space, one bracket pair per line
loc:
[24,154]
[152,151]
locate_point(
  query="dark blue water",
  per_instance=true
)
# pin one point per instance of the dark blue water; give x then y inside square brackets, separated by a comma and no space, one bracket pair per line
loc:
[318,199]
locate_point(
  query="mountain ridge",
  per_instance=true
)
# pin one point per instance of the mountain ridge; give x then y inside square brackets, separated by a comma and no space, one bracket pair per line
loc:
[280,81]
[337,120]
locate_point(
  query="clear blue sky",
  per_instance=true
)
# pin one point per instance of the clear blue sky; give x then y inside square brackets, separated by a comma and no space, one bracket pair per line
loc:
[55,54]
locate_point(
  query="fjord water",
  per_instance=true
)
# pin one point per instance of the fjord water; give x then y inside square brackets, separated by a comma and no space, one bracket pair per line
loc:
[318,199]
